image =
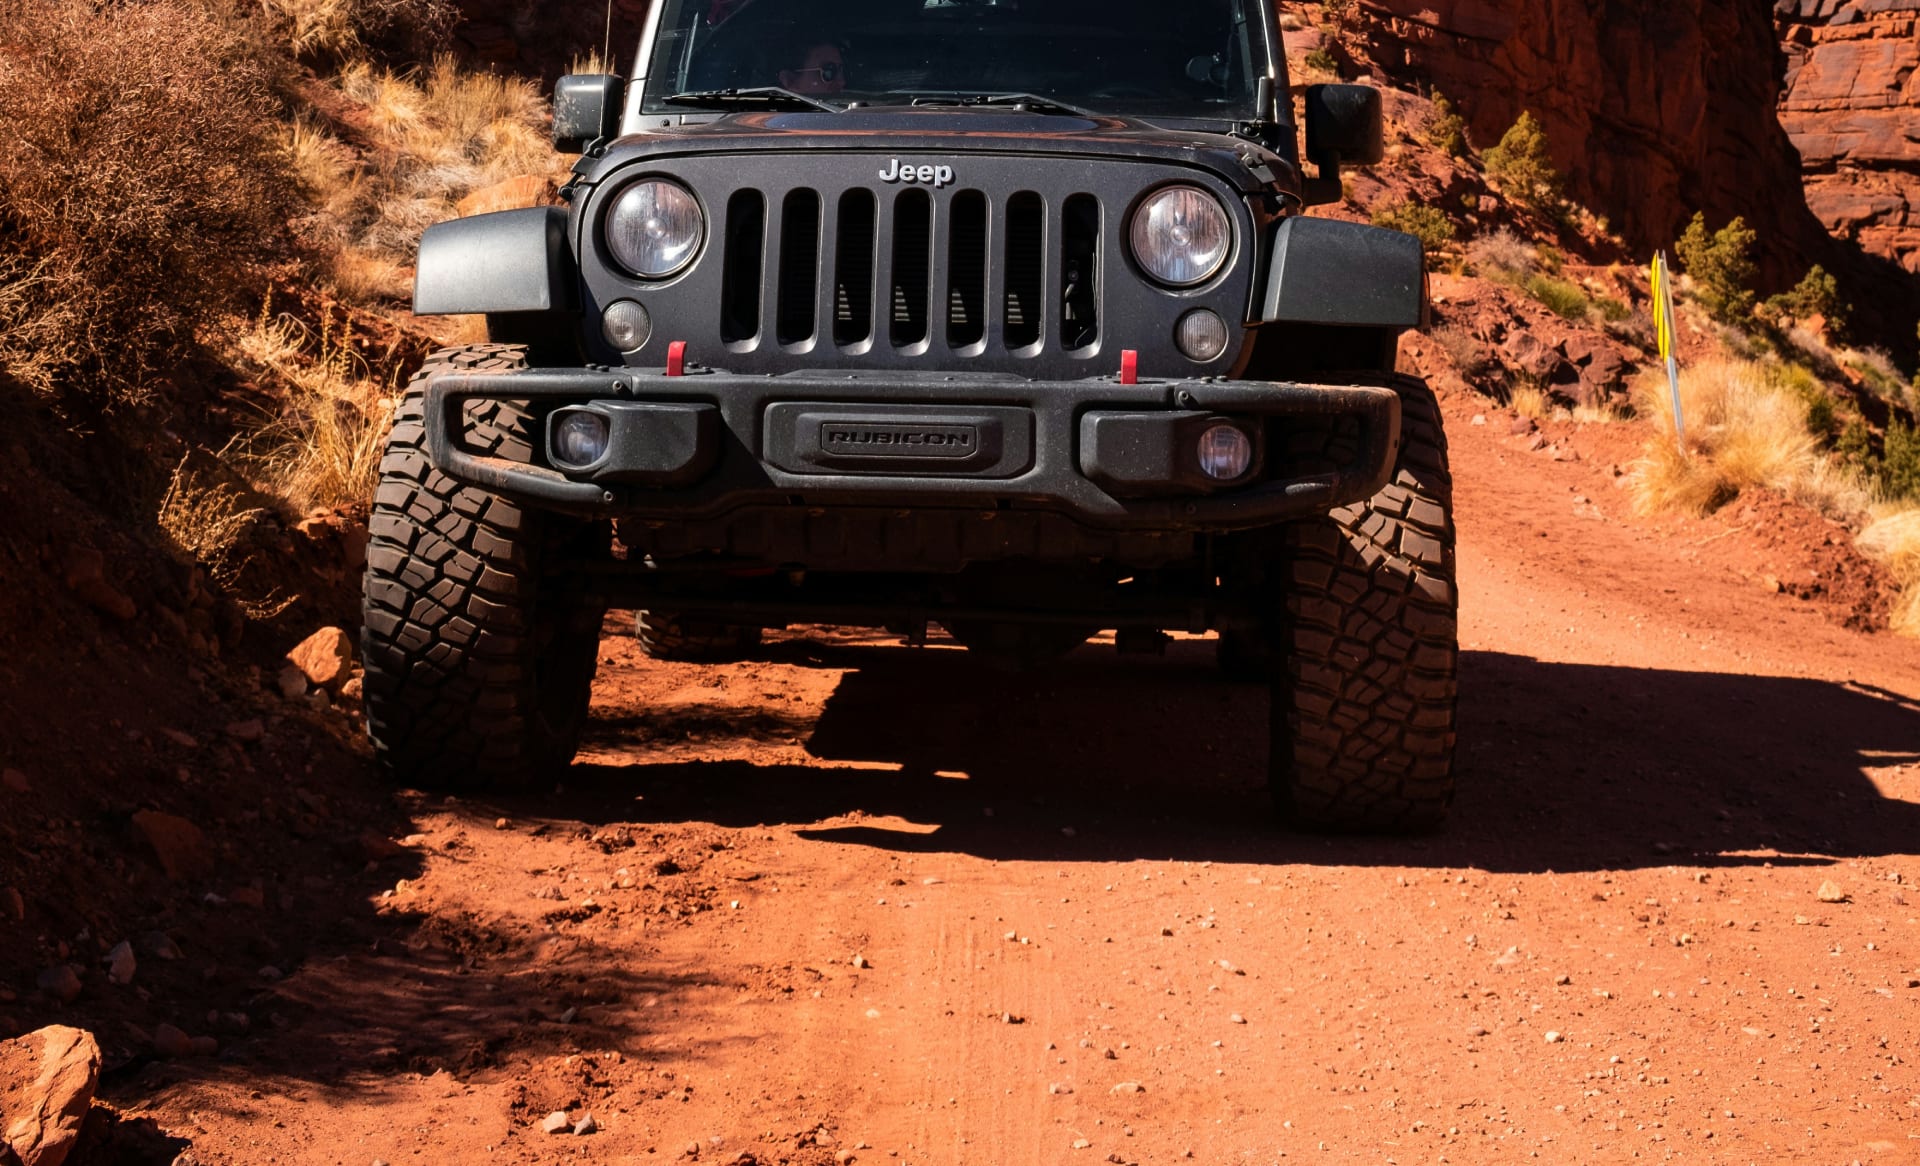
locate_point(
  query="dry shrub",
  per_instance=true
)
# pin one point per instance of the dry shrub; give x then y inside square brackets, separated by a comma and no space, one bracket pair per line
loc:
[1742,429]
[324,448]
[1894,539]
[1875,369]
[142,191]
[210,516]
[1468,352]
[39,326]
[335,30]
[1502,256]
[433,139]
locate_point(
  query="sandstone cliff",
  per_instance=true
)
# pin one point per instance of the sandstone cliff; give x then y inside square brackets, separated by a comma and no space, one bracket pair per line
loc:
[1655,108]
[1852,108]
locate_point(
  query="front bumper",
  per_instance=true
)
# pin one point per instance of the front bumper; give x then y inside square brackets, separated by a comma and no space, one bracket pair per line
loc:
[707,444]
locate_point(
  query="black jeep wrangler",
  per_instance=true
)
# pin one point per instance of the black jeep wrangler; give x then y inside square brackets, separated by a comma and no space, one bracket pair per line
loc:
[1000,314]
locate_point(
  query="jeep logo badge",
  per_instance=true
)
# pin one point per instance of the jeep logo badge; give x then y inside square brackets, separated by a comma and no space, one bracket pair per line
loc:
[892,439]
[934,176]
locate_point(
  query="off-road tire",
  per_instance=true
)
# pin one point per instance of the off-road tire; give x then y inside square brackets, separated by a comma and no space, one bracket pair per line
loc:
[478,662]
[666,636]
[1363,695]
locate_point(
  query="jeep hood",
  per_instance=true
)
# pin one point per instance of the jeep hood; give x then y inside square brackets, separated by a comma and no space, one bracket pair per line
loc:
[930,133]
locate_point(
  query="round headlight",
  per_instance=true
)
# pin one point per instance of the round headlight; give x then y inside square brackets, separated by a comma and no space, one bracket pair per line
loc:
[654,228]
[1181,236]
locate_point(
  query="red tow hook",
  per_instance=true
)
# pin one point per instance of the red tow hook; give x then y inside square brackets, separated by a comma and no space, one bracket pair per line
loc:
[677,359]
[1129,367]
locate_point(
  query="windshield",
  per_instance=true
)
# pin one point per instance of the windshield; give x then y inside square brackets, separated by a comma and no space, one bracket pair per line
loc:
[1149,58]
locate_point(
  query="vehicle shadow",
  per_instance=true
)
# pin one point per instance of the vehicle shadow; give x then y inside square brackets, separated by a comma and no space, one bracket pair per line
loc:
[1561,766]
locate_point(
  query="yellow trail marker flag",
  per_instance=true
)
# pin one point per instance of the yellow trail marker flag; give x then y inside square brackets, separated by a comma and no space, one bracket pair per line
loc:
[1663,327]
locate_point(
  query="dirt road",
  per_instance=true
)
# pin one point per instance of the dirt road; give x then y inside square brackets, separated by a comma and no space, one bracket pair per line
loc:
[855,899]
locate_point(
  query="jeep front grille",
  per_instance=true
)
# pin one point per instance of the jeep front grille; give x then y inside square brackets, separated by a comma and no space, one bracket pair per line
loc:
[972,272]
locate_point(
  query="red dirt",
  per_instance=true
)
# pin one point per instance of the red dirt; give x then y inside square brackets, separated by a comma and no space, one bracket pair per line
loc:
[768,911]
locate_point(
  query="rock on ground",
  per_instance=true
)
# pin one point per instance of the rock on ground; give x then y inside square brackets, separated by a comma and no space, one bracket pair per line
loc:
[47,1080]
[325,657]
[60,982]
[170,1041]
[177,844]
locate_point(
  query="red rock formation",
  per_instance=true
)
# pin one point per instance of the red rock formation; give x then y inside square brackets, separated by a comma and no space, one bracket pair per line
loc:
[1852,108]
[1654,108]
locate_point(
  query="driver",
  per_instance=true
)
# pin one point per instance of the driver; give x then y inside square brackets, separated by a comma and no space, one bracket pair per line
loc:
[821,69]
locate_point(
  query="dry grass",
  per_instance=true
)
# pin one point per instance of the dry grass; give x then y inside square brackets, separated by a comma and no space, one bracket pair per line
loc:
[590,63]
[434,138]
[324,449]
[1528,399]
[142,191]
[1742,429]
[1748,425]
[1602,412]
[335,30]
[1894,539]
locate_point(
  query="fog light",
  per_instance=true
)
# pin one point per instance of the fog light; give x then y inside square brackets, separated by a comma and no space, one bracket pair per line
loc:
[579,438]
[1201,334]
[626,325]
[1225,453]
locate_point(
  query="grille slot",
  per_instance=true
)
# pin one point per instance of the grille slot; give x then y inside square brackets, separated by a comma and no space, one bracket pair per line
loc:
[1025,263]
[853,269]
[1079,272]
[799,266]
[912,267]
[740,278]
[967,269]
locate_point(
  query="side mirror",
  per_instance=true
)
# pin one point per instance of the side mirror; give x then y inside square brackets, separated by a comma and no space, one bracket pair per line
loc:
[1344,124]
[586,108]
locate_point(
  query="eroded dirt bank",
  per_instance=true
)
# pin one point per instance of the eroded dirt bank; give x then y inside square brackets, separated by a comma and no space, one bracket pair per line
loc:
[851,899]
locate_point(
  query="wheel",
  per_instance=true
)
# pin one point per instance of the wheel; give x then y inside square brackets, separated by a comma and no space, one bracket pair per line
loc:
[666,636]
[1362,727]
[479,661]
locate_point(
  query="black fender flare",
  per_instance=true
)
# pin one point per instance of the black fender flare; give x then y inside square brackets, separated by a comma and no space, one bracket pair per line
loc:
[1328,272]
[513,261]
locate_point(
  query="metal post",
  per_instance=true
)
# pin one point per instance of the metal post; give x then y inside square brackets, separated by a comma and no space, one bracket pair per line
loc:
[1663,326]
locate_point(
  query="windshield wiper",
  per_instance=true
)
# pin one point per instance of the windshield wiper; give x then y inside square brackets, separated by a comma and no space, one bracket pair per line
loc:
[765,96]
[1032,101]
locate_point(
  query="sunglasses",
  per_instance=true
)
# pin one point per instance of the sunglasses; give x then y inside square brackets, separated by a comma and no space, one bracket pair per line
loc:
[828,72]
